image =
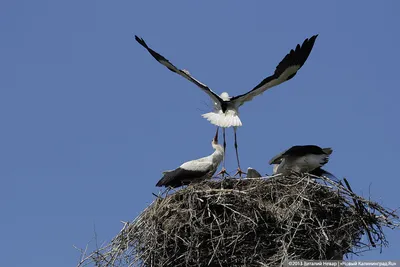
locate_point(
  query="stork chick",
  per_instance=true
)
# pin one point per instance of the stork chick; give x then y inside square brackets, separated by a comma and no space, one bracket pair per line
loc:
[252,173]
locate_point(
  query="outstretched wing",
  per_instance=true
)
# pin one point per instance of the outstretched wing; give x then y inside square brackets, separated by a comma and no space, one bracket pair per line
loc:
[183,73]
[285,70]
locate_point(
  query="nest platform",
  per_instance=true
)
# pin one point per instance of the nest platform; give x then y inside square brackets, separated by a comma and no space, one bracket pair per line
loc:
[248,222]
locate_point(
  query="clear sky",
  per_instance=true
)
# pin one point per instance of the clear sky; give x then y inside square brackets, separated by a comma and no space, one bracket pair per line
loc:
[89,120]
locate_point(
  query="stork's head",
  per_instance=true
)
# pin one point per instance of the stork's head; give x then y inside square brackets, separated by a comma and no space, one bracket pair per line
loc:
[225,96]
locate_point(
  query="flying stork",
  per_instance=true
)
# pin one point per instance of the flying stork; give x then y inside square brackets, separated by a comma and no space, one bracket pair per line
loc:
[302,159]
[226,108]
[194,170]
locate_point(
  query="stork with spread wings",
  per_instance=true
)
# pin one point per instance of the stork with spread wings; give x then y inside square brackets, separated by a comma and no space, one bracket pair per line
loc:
[226,108]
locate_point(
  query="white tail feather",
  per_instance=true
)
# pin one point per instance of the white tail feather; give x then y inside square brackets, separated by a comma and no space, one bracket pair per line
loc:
[225,120]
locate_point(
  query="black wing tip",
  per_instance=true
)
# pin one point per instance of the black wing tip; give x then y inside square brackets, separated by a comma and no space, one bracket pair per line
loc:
[297,56]
[164,182]
[140,41]
[308,44]
[160,183]
[277,159]
[167,179]
[310,41]
[274,160]
[302,52]
[156,55]
[163,185]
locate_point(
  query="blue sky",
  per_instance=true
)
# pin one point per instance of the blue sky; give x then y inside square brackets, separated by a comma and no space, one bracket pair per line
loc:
[89,120]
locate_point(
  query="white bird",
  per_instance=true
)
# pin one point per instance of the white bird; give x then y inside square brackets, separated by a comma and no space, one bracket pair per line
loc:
[194,170]
[226,108]
[302,159]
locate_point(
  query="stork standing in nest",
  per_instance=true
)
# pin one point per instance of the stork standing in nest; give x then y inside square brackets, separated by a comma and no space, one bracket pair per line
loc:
[194,170]
[226,108]
[302,159]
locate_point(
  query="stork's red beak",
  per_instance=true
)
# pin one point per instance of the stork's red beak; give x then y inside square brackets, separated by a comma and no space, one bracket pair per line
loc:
[215,140]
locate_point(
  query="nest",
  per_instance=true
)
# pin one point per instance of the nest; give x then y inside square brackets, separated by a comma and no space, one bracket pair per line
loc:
[248,222]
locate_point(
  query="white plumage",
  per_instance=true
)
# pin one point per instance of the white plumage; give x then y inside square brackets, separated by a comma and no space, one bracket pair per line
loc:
[203,164]
[225,119]
[226,108]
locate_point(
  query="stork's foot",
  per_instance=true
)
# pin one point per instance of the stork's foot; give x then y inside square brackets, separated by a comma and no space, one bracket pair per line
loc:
[223,172]
[239,172]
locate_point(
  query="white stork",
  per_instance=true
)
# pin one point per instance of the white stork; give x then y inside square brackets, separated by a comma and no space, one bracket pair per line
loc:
[302,159]
[194,170]
[226,108]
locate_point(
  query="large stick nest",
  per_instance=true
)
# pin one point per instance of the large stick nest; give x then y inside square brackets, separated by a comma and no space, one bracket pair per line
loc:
[248,222]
